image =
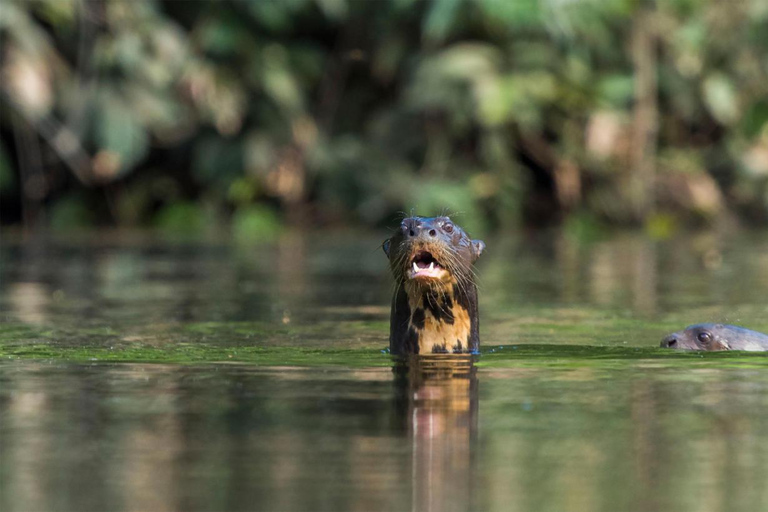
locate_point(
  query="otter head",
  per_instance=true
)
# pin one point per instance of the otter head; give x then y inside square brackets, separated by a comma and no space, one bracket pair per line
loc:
[710,337]
[431,253]
[431,260]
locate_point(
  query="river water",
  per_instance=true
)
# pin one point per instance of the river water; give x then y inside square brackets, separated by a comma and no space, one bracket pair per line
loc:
[141,374]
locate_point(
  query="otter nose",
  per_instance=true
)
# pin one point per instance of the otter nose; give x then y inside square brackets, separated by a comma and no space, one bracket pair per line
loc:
[412,230]
[415,229]
[669,342]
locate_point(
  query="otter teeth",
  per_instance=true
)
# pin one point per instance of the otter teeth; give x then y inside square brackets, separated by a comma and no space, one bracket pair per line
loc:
[415,267]
[431,265]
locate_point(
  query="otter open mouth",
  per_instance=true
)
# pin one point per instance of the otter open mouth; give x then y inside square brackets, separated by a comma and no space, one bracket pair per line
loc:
[423,264]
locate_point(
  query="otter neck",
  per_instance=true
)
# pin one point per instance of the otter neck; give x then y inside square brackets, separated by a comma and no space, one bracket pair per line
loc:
[440,319]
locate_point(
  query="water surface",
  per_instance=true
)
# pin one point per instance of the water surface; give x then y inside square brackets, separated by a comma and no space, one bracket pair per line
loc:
[142,374]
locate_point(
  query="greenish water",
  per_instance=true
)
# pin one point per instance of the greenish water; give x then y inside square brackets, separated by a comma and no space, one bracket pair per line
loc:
[140,374]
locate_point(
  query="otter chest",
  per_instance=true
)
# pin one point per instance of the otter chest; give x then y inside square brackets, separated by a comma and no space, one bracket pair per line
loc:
[438,323]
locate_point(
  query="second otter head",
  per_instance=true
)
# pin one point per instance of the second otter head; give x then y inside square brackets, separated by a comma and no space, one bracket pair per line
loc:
[711,337]
[716,337]
[431,252]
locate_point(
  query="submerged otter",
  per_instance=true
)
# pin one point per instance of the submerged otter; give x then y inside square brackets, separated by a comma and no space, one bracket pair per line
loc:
[434,308]
[716,337]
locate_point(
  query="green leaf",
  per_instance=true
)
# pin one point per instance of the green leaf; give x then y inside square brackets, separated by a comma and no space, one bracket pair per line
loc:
[182,218]
[218,162]
[335,10]
[255,223]
[512,13]
[616,90]
[440,18]
[69,213]
[275,15]
[720,98]
[224,35]
[278,80]
[756,119]
[119,131]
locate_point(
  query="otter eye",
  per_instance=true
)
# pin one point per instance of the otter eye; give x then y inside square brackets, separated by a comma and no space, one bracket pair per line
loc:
[448,227]
[704,337]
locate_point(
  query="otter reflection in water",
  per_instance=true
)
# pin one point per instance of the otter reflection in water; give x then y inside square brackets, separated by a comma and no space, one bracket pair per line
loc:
[436,401]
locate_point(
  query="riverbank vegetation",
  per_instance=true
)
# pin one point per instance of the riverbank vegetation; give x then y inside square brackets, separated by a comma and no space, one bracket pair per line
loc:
[190,116]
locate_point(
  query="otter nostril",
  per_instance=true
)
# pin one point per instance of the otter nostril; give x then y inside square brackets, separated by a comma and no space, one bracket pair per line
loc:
[669,341]
[411,233]
[432,232]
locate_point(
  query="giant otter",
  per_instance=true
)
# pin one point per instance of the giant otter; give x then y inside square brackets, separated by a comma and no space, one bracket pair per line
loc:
[716,337]
[434,308]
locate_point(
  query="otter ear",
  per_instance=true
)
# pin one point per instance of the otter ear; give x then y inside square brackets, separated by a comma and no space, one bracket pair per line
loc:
[385,246]
[478,246]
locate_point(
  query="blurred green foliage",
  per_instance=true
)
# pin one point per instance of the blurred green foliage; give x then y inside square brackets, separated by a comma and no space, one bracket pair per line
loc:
[184,218]
[255,223]
[327,111]
[70,213]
